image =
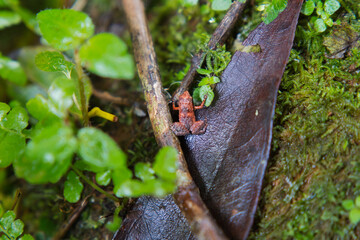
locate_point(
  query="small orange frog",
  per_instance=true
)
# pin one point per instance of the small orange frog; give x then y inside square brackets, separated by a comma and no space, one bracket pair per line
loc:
[187,122]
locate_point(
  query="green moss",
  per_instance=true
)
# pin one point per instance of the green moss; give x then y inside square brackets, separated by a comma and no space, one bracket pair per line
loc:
[178,32]
[315,162]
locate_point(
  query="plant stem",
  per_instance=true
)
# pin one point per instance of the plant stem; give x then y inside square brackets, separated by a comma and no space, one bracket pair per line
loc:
[81,76]
[96,187]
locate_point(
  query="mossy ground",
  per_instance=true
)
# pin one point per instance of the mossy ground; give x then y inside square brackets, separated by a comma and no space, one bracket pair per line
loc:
[315,162]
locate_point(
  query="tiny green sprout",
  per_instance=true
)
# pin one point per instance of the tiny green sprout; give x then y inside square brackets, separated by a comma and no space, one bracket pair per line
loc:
[353,208]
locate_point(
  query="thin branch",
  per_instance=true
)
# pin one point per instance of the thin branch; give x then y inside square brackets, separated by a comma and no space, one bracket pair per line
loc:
[108,97]
[187,197]
[219,37]
[71,220]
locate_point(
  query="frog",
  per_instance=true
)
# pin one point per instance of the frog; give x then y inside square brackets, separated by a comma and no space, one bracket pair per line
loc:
[187,122]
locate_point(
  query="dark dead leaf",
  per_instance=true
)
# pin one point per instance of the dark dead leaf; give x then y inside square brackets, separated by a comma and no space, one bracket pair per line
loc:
[229,160]
[153,218]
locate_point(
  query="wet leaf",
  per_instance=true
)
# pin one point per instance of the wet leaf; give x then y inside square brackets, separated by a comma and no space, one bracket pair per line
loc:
[99,150]
[331,6]
[52,61]
[11,71]
[220,5]
[165,163]
[12,146]
[110,60]
[73,187]
[354,215]
[309,7]
[229,160]
[65,29]
[48,155]
[8,18]
[103,178]
[144,171]
[319,25]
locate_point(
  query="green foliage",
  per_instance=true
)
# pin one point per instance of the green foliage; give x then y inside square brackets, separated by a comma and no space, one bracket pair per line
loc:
[353,208]
[8,18]
[12,141]
[216,62]
[12,228]
[273,10]
[11,71]
[64,29]
[220,5]
[48,155]
[323,10]
[52,61]
[158,181]
[110,60]
[73,187]
[99,151]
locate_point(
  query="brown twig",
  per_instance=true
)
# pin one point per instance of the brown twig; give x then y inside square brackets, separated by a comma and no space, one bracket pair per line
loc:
[187,197]
[108,97]
[74,215]
[219,37]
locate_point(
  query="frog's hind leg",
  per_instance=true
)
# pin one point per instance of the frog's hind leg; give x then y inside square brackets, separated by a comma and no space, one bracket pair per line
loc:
[199,127]
[179,129]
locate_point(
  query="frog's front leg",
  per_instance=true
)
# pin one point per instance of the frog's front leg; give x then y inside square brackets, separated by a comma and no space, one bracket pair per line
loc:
[199,127]
[179,129]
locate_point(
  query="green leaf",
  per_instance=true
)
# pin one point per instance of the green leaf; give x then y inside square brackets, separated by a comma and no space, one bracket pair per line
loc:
[73,187]
[4,109]
[103,178]
[48,155]
[61,94]
[12,146]
[119,178]
[319,25]
[209,81]
[110,60]
[204,71]
[115,224]
[8,18]
[64,29]
[52,61]
[165,163]
[7,219]
[11,70]
[188,3]
[27,60]
[329,22]
[273,10]
[144,171]
[16,229]
[206,90]
[348,204]
[17,119]
[331,6]
[99,150]
[309,7]
[39,108]
[357,201]
[354,215]
[319,8]
[220,5]
[26,237]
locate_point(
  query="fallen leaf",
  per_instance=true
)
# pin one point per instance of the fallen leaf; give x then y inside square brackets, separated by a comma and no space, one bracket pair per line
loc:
[228,161]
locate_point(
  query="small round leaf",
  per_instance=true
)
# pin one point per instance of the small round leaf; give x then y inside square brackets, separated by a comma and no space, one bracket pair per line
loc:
[64,29]
[12,71]
[73,187]
[106,55]
[319,25]
[165,163]
[8,18]
[309,7]
[331,6]
[52,61]
[220,5]
[354,215]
